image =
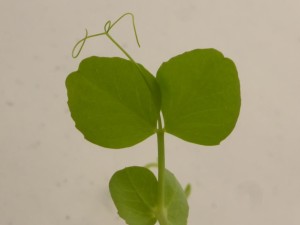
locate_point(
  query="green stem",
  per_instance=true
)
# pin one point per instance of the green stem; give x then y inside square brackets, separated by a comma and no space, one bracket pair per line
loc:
[161,174]
[161,164]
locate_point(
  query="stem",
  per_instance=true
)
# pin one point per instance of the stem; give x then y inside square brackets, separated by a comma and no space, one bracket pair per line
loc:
[161,174]
[161,164]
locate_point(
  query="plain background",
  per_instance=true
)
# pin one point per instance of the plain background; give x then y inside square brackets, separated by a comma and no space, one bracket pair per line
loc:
[50,175]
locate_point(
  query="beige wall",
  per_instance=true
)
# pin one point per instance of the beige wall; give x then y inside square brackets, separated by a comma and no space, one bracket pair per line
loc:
[50,175]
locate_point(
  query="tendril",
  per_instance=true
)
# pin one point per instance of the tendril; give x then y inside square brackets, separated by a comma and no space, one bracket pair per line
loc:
[107,27]
[83,42]
[133,24]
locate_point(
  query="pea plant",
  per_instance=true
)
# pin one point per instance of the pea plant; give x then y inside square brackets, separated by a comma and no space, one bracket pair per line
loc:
[117,103]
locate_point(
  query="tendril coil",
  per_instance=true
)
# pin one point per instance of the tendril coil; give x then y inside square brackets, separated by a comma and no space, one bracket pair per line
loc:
[107,27]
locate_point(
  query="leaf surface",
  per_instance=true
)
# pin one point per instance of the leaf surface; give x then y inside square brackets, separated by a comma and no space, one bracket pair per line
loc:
[134,192]
[200,96]
[111,103]
[176,204]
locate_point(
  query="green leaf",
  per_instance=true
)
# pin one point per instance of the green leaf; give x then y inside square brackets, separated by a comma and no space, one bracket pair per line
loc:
[134,192]
[114,103]
[176,205]
[200,96]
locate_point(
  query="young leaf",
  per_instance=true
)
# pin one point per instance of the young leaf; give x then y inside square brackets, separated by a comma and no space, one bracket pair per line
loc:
[200,96]
[113,103]
[134,192]
[176,205]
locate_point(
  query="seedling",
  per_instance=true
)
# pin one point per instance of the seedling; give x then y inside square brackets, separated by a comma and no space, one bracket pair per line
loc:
[117,103]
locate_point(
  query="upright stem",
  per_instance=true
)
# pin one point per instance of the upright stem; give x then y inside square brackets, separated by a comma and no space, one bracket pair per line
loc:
[161,174]
[161,164]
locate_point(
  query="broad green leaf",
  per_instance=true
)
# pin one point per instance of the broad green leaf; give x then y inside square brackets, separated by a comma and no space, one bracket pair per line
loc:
[176,205]
[113,103]
[134,192]
[200,96]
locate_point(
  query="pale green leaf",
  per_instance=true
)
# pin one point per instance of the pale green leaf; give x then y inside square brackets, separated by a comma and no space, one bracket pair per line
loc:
[134,192]
[200,96]
[114,103]
[176,205]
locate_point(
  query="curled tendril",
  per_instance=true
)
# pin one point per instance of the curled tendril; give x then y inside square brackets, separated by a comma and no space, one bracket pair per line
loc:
[107,27]
[79,42]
